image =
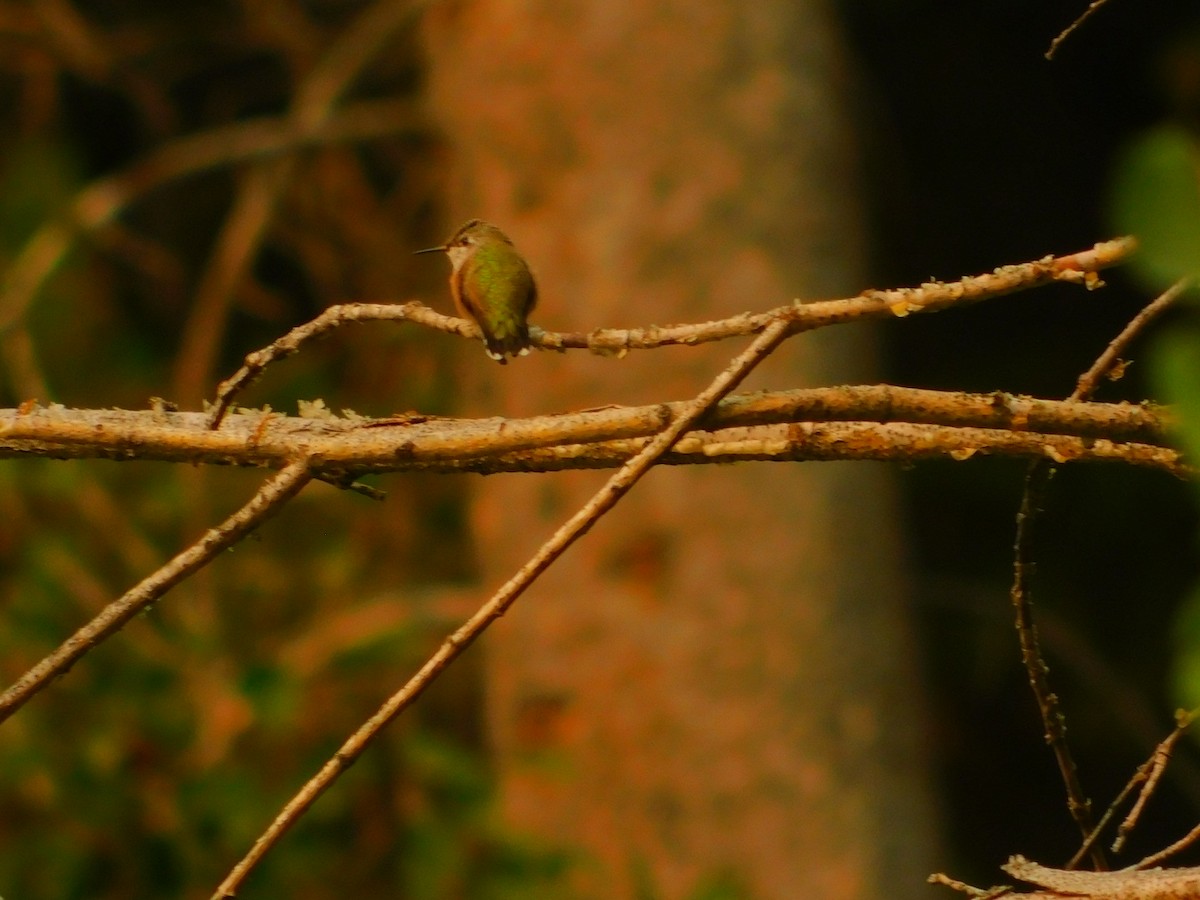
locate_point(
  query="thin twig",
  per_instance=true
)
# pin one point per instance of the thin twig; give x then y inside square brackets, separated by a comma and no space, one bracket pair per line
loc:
[1075,267]
[265,503]
[1053,724]
[1070,29]
[331,318]
[962,887]
[1036,483]
[1090,841]
[1086,386]
[1154,767]
[552,549]
[1166,853]
[1149,771]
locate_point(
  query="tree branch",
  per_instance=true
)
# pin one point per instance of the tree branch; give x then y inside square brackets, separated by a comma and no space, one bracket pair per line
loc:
[876,422]
[1080,268]
[265,503]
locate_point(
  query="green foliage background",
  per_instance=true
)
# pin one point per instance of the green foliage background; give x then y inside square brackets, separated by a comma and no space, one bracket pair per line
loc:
[1156,195]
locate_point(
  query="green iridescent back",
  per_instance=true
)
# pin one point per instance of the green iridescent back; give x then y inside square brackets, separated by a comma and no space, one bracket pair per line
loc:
[497,283]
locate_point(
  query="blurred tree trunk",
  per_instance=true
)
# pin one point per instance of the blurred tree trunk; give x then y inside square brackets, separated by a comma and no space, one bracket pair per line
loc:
[716,687]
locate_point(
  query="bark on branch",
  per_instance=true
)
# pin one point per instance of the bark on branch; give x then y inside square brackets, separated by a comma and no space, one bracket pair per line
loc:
[881,422]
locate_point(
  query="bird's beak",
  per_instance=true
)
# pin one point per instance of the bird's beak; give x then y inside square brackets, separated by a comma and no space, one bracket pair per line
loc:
[430,250]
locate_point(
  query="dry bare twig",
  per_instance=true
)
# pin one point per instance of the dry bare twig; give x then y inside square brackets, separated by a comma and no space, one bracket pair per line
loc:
[604,500]
[970,890]
[1154,768]
[1147,775]
[265,503]
[1036,483]
[1092,8]
[1167,852]
[1108,361]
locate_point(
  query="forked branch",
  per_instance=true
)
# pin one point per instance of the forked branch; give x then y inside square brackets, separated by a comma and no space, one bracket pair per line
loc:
[1081,267]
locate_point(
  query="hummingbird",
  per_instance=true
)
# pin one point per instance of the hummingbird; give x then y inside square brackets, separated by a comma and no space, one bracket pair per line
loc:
[492,286]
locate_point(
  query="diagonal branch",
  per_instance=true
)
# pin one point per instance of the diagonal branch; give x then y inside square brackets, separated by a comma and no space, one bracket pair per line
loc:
[1091,10]
[1108,361]
[264,504]
[1152,772]
[1147,776]
[552,549]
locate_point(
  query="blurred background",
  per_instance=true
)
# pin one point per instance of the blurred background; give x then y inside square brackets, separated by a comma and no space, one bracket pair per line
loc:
[747,682]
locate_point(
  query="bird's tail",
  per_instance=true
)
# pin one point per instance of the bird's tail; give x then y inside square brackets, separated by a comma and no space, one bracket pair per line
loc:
[507,341]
